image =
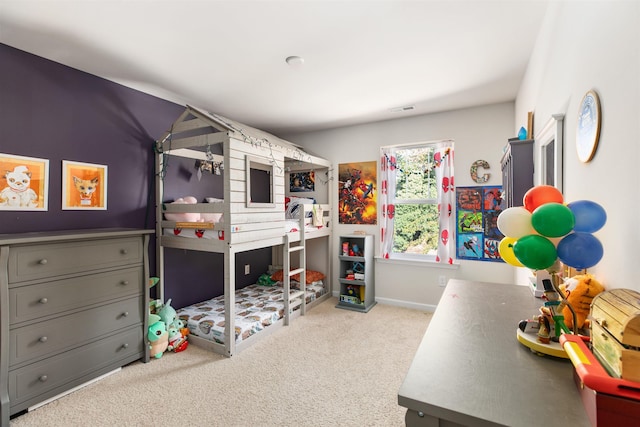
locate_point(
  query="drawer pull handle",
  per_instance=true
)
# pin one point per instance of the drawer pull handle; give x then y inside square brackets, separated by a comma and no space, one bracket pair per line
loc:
[125,282]
[43,261]
[43,378]
[125,346]
[125,314]
[124,251]
[43,339]
[604,337]
[43,300]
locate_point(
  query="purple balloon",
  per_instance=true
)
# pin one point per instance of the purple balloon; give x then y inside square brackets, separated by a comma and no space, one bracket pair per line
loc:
[580,250]
[590,216]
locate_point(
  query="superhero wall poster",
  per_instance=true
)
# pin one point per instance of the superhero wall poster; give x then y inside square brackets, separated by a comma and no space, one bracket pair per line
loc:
[357,198]
[477,234]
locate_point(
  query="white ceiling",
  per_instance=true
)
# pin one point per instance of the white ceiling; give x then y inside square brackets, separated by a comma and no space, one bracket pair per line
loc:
[361,58]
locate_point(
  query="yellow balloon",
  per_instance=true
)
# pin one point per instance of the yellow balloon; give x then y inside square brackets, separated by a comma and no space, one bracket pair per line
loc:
[505,248]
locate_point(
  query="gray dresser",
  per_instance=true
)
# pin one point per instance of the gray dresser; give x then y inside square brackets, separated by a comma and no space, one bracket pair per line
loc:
[73,306]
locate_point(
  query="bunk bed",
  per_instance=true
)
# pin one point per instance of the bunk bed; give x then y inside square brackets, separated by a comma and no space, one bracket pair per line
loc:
[251,210]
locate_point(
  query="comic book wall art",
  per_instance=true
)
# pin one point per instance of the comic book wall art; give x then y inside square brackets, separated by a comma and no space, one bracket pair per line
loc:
[302,181]
[357,196]
[477,234]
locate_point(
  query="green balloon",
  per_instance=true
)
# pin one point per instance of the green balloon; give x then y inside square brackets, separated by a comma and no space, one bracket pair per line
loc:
[553,220]
[535,252]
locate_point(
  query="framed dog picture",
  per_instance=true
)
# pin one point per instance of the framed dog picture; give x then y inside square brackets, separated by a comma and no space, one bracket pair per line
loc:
[24,183]
[84,186]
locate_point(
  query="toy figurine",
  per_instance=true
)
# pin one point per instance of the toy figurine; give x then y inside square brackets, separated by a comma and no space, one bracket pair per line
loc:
[356,250]
[352,291]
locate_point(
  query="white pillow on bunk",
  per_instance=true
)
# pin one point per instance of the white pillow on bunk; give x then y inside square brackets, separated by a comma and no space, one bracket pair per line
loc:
[212,217]
[292,207]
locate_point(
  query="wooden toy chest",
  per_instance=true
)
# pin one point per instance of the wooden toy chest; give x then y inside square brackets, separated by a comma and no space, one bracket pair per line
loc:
[615,332]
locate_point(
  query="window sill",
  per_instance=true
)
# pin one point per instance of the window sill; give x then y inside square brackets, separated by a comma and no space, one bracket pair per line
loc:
[418,263]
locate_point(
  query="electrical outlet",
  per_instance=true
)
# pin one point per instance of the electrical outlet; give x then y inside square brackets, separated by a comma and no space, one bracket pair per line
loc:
[247,269]
[442,280]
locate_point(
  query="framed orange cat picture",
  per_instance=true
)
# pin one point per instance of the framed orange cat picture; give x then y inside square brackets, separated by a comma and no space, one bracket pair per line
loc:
[24,183]
[84,186]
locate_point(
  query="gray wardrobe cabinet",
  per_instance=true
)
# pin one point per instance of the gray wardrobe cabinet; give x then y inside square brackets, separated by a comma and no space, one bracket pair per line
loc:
[517,171]
[73,306]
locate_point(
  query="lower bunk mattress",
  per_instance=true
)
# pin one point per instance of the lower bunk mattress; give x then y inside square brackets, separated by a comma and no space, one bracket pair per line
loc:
[257,307]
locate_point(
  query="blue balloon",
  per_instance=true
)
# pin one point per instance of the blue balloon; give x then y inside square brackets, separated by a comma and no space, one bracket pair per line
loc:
[580,250]
[590,216]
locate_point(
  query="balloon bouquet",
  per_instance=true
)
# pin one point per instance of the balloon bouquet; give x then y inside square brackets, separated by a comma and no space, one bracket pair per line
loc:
[546,233]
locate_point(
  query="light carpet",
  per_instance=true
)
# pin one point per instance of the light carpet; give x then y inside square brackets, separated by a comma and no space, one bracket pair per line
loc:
[331,367]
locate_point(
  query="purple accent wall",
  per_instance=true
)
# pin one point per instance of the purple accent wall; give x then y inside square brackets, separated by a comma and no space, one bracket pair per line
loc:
[51,111]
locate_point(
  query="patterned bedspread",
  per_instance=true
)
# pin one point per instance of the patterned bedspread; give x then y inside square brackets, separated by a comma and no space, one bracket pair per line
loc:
[257,307]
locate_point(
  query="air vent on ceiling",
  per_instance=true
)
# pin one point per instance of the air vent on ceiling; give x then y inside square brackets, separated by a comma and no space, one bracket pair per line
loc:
[405,108]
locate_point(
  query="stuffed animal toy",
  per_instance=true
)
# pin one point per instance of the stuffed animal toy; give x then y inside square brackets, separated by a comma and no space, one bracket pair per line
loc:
[177,341]
[158,339]
[579,292]
[168,314]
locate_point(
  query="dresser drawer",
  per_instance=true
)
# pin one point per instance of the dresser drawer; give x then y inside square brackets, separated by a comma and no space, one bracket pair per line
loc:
[44,338]
[32,262]
[50,298]
[52,375]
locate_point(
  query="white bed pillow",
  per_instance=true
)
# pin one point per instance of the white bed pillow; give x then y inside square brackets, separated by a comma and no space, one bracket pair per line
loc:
[212,217]
[292,208]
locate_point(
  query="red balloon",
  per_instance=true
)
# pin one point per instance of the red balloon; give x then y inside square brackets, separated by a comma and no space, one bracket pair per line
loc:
[539,195]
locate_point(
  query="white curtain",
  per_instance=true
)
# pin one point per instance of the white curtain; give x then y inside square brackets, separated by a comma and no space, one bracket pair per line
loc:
[386,193]
[443,166]
[443,163]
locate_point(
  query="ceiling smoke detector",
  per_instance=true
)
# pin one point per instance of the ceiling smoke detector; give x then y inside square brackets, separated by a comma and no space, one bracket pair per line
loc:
[405,108]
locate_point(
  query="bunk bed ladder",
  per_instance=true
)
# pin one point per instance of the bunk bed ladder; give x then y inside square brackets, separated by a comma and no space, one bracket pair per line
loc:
[295,297]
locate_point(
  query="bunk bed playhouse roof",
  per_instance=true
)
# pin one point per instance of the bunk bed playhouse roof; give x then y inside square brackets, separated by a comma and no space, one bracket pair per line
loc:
[196,127]
[246,225]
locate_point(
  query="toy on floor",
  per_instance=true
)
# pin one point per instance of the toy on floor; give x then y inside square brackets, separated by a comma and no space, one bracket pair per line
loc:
[158,339]
[169,316]
[167,331]
[177,340]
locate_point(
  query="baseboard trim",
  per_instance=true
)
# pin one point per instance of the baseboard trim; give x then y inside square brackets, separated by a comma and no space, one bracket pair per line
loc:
[399,303]
[407,304]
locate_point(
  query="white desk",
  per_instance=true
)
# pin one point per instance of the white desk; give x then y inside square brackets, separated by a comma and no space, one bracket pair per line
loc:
[471,370]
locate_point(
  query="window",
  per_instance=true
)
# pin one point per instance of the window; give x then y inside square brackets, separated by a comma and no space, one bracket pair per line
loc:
[548,162]
[415,180]
[259,179]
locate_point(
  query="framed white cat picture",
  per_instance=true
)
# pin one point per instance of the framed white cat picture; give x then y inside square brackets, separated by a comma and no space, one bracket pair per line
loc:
[24,183]
[84,186]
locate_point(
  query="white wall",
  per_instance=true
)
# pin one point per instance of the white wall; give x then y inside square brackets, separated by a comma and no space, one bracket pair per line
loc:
[479,134]
[595,45]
